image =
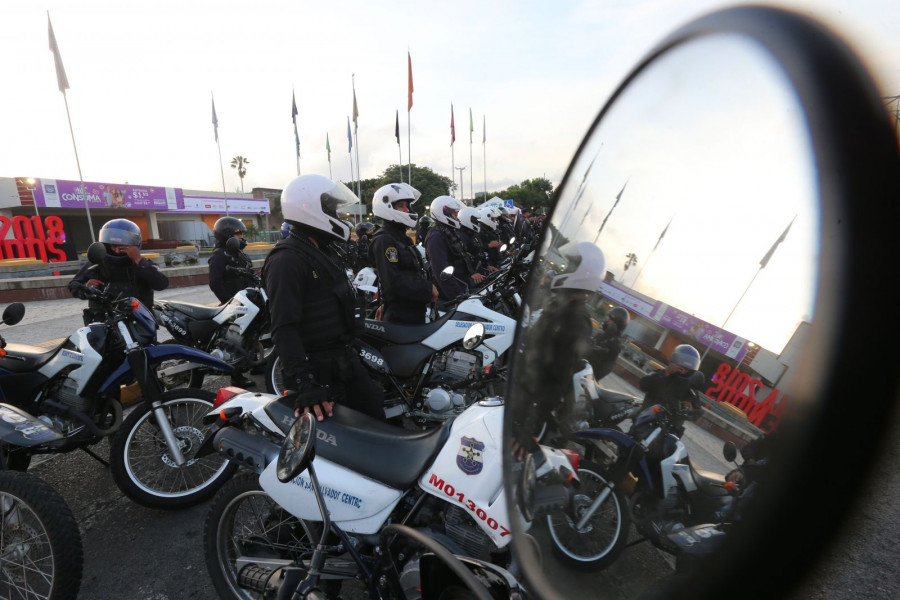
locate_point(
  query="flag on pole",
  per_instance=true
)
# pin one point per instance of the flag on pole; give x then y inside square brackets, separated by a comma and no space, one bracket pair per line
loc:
[661,236]
[409,62]
[452,126]
[484,130]
[215,119]
[471,125]
[355,110]
[294,119]
[397,128]
[328,146]
[61,78]
[349,136]
[765,259]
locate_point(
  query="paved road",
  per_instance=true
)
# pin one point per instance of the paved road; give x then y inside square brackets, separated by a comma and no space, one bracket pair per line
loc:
[141,554]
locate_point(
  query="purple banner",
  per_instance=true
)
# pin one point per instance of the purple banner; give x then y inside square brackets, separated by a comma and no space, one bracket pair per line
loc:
[56,193]
[720,340]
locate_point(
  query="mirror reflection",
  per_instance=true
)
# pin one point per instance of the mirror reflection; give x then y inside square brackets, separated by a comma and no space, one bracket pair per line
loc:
[672,294]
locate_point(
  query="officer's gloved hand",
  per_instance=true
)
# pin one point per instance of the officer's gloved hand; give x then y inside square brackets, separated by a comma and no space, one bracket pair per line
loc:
[308,392]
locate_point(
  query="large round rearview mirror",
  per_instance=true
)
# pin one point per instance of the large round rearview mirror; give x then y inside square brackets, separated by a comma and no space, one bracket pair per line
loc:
[297,449]
[736,184]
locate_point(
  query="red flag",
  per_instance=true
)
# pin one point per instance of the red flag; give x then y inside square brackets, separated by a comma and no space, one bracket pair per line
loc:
[409,59]
[452,126]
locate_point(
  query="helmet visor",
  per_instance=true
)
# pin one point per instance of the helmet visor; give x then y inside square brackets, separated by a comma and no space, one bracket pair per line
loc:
[337,197]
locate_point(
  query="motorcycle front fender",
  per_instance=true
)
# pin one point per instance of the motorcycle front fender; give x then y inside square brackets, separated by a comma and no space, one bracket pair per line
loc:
[18,428]
[160,353]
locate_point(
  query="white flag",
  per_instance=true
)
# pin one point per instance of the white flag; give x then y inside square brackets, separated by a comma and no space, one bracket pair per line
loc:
[61,78]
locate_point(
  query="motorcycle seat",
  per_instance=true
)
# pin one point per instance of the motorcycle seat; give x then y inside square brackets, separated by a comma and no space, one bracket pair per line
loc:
[392,455]
[708,482]
[21,358]
[397,333]
[195,311]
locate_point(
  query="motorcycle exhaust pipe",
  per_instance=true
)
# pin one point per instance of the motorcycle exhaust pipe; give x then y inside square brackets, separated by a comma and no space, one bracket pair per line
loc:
[251,451]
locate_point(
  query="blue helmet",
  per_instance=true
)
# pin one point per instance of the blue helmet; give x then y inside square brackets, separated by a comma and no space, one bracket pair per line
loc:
[121,232]
[286,229]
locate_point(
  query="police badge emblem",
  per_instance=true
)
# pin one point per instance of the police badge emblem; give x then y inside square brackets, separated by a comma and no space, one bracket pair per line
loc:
[470,458]
[392,254]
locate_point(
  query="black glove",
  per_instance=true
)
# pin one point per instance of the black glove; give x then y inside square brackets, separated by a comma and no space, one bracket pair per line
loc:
[308,393]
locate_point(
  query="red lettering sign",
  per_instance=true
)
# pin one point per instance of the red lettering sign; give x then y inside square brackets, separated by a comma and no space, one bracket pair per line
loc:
[734,387]
[31,239]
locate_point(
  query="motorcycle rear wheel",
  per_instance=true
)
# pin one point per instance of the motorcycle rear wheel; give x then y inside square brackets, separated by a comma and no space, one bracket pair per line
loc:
[604,537]
[275,383]
[140,461]
[244,521]
[40,544]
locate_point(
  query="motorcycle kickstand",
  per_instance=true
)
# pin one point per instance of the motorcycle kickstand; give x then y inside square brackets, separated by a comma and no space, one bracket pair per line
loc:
[93,455]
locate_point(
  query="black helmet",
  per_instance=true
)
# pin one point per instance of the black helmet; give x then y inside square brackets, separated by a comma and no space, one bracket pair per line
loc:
[426,222]
[226,227]
[686,356]
[120,232]
[365,228]
[620,317]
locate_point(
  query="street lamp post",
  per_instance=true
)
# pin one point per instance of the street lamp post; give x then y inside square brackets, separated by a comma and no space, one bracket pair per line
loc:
[31,184]
[462,187]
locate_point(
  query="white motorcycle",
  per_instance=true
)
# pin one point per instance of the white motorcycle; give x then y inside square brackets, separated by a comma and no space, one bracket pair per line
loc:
[424,368]
[446,483]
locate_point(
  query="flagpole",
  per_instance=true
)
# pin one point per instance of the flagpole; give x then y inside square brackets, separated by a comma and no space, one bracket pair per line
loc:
[452,151]
[350,149]
[409,121]
[221,168]
[63,84]
[616,203]
[655,246]
[471,170]
[399,147]
[356,131]
[484,153]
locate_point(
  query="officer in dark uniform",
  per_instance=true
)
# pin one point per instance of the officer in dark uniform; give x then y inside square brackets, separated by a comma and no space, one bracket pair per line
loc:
[490,239]
[225,273]
[469,233]
[406,289]
[608,344]
[673,386]
[123,273]
[445,248]
[313,309]
[364,232]
[225,282]
[425,223]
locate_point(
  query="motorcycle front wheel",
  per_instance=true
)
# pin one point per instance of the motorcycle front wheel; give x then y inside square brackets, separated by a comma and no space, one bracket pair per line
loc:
[40,544]
[603,538]
[244,523]
[142,466]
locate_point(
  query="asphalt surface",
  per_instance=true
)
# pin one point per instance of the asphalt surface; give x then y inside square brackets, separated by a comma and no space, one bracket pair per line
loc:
[138,553]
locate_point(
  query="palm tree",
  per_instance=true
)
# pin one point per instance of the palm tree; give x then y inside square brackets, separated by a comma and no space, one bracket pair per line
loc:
[240,163]
[631,260]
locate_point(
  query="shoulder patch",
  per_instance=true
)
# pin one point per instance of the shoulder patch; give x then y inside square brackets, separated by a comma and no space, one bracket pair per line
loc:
[391,254]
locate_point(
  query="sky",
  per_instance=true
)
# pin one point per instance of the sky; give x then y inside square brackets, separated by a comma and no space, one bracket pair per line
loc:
[533,73]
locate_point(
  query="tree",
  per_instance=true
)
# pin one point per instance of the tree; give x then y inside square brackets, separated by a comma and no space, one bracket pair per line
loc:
[429,183]
[536,194]
[240,163]
[630,261]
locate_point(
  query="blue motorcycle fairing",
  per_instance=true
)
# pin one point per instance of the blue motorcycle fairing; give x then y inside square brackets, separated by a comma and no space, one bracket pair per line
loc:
[18,428]
[626,444]
[157,354]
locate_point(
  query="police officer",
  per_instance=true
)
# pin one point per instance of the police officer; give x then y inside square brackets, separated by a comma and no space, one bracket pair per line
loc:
[225,277]
[313,309]
[488,218]
[123,272]
[608,343]
[225,273]
[425,223]
[405,286]
[445,248]
[469,234]
[364,232]
[673,386]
